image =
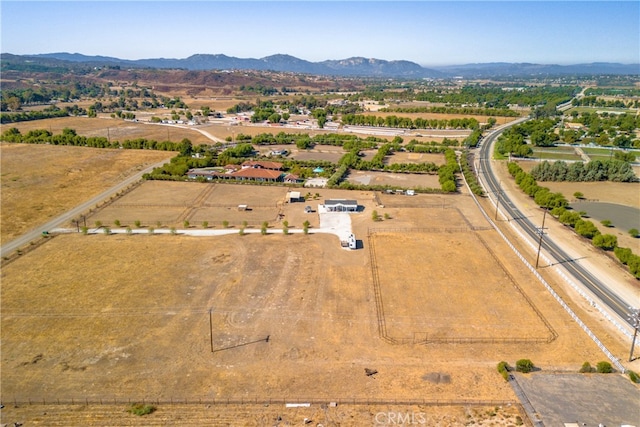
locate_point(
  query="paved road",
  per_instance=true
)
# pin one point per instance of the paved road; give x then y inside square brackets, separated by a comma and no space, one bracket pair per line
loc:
[580,273]
[29,236]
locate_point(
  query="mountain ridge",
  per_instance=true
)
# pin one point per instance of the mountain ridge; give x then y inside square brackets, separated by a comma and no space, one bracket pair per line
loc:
[348,67]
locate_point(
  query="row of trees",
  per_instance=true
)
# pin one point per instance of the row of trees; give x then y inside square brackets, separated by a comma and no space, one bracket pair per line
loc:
[24,116]
[70,137]
[595,170]
[500,112]
[407,123]
[594,101]
[585,228]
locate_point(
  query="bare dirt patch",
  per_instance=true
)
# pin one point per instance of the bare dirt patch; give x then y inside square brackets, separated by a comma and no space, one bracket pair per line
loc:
[405,180]
[40,182]
[415,158]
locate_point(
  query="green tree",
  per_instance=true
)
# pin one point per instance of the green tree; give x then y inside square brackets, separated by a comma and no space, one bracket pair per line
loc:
[375,216]
[604,368]
[137,223]
[116,223]
[84,230]
[634,232]
[524,366]
[305,227]
[225,224]
[285,227]
[264,227]
[98,224]
[586,368]
[185,224]
[578,195]
[205,224]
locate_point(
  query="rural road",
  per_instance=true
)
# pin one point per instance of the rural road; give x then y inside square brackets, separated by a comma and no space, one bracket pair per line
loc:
[601,291]
[23,240]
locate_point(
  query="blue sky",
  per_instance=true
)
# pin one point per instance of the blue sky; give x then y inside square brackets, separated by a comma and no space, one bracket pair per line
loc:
[426,32]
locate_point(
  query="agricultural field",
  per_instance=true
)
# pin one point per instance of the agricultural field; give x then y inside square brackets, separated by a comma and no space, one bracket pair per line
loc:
[40,182]
[405,180]
[188,317]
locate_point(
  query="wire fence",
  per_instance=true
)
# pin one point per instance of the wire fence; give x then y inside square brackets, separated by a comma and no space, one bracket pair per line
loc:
[259,401]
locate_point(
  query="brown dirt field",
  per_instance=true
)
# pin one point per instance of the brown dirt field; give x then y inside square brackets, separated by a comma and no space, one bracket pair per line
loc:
[40,182]
[405,157]
[147,298]
[407,180]
[198,414]
[169,204]
[115,129]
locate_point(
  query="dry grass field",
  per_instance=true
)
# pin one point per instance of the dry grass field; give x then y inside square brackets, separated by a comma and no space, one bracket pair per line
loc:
[128,316]
[40,182]
[407,180]
[415,158]
[114,129]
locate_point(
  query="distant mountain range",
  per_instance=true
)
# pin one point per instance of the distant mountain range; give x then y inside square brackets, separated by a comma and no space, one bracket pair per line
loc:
[356,66]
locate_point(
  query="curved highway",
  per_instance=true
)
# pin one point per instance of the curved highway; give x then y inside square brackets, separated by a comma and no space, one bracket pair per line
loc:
[579,272]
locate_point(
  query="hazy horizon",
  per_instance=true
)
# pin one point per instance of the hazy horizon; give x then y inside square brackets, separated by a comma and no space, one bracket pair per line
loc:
[429,33]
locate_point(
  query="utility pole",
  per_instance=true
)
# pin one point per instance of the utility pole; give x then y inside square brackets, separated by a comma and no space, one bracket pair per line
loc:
[541,234]
[634,316]
[498,199]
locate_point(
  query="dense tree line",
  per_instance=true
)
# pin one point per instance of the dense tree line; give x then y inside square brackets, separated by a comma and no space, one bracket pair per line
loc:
[24,116]
[407,123]
[595,170]
[70,137]
[594,101]
[500,112]
[501,97]
[540,133]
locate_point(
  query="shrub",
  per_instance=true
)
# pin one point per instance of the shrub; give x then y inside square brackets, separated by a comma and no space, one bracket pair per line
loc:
[85,230]
[375,216]
[634,232]
[586,368]
[107,231]
[116,223]
[205,224]
[503,369]
[98,224]
[151,230]
[285,227]
[129,231]
[635,378]
[225,224]
[305,227]
[578,195]
[606,223]
[524,366]
[263,228]
[607,242]
[604,368]
[137,223]
[173,230]
[185,224]
[141,409]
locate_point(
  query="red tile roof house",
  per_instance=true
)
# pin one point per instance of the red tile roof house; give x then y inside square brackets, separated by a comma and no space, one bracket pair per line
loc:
[257,174]
[262,165]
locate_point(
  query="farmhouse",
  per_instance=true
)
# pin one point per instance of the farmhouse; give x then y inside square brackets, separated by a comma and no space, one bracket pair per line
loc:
[341,205]
[256,174]
[262,165]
